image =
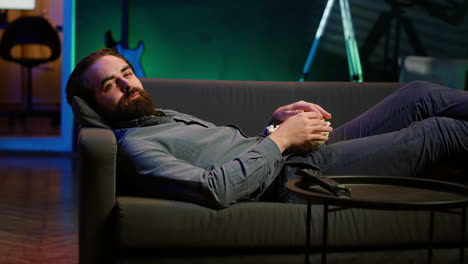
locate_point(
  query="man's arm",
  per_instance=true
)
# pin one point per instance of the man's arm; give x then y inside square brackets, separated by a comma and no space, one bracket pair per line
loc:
[284,112]
[301,122]
[300,129]
[219,186]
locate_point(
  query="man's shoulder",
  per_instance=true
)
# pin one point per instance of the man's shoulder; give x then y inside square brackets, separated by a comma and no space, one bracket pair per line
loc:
[178,116]
[174,113]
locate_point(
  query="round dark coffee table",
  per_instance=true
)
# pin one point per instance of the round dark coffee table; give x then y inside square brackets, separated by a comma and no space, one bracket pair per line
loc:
[378,192]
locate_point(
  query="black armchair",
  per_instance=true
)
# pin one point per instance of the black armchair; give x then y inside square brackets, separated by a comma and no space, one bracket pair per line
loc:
[25,31]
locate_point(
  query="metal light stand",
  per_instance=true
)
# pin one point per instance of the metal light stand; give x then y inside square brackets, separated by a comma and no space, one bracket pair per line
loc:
[352,52]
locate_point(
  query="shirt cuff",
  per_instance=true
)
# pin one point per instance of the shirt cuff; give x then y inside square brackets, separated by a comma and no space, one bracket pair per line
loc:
[271,153]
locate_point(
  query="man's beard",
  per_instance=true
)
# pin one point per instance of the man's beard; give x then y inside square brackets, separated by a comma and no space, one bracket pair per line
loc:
[136,108]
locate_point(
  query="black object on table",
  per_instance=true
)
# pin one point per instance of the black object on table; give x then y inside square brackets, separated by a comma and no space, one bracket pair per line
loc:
[377,192]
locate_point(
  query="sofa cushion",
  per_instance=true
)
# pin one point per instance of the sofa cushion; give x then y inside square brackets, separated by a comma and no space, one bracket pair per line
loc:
[157,223]
[85,115]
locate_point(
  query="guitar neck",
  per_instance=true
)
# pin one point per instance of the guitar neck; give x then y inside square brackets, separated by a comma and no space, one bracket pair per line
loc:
[125,22]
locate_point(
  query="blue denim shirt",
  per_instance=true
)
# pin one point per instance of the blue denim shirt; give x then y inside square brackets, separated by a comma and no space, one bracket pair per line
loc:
[196,161]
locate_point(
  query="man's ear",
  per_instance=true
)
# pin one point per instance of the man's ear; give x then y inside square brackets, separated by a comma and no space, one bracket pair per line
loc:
[87,116]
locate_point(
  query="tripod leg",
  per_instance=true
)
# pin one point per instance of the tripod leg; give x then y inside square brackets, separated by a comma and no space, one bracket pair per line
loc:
[318,36]
[391,59]
[352,52]
[413,37]
[372,39]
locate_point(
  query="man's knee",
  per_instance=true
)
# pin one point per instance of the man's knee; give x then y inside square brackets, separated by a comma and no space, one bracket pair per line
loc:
[443,124]
[448,133]
[420,88]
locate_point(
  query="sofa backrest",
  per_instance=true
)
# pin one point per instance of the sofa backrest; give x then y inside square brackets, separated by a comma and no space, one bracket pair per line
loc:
[249,104]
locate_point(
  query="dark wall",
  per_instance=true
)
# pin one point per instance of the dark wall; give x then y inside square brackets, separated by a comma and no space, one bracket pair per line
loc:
[210,39]
[250,39]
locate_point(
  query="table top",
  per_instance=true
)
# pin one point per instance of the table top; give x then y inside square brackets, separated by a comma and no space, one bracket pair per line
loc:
[382,192]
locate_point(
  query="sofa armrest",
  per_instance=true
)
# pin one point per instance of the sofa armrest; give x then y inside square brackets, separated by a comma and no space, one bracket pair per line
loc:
[97,151]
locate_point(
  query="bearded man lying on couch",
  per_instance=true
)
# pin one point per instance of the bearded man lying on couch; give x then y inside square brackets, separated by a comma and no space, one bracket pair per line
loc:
[193,160]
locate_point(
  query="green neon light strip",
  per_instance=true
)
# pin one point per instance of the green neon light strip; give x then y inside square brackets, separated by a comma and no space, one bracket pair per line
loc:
[352,52]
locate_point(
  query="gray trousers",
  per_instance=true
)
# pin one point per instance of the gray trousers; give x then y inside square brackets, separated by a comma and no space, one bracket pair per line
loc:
[417,126]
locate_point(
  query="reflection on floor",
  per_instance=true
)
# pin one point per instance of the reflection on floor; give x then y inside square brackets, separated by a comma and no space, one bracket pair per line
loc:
[30,126]
[38,209]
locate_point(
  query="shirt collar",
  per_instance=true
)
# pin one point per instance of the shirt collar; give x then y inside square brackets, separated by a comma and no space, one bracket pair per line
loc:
[144,121]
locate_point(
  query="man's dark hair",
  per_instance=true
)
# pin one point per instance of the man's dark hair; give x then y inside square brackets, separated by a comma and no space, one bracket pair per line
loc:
[77,85]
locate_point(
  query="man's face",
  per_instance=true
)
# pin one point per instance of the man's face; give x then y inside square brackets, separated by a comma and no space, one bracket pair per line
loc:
[118,93]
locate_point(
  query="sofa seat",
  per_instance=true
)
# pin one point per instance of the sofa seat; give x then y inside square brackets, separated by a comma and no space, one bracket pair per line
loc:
[156,223]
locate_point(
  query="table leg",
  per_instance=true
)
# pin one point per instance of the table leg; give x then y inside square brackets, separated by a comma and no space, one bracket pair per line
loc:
[325,233]
[463,237]
[308,222]
[431,237]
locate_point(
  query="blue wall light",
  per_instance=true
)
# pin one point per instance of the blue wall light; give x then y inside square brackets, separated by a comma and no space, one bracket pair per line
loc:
[63,143]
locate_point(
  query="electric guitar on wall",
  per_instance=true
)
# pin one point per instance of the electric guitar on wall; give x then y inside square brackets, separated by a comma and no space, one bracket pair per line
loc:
[132,55]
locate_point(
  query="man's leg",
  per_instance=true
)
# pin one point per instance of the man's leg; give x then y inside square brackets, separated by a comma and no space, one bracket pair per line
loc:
[407,152]
[415,101]
[415,127]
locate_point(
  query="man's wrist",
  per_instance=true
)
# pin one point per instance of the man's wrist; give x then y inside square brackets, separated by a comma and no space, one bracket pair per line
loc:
[279,141]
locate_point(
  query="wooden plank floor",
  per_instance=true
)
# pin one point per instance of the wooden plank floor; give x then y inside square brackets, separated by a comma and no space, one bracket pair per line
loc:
[35,126]
[38,209]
